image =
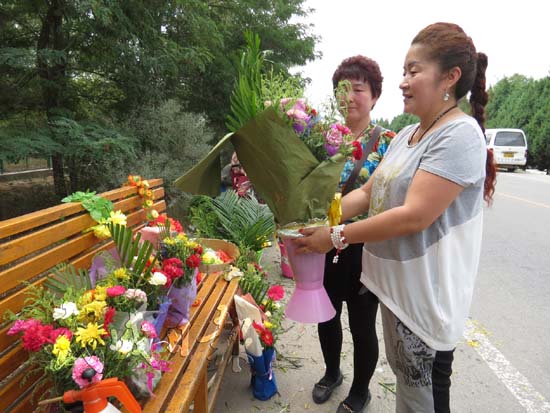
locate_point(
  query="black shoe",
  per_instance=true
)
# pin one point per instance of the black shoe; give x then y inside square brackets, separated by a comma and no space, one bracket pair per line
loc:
[345,407]
[323,389]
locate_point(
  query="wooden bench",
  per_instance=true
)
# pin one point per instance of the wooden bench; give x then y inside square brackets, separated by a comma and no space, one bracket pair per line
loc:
[31,245]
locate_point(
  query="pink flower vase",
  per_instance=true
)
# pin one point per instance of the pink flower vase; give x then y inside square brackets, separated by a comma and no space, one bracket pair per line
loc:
[309,302]
[181,300]
[286,269]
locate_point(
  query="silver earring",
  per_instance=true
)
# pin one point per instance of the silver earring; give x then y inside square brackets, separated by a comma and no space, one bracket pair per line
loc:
[446,96]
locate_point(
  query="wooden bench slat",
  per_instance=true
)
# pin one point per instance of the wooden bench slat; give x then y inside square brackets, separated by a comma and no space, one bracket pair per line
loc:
[184,390]
[13,250]
[12,390]
[5,340]
[45,261]
[178,363]
[183,396]
[36,219]
[11,361]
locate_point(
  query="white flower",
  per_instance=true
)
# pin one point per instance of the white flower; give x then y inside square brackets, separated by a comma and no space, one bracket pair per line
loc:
[158,278]
[136,294]
[66,310]
[122,346]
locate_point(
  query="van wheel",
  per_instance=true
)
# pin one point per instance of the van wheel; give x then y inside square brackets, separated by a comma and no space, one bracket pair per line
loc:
[510,169]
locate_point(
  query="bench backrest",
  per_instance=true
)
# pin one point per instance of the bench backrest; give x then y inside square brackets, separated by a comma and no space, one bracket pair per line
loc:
[30,246]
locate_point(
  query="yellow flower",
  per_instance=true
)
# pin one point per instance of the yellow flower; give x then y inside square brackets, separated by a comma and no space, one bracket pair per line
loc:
[90,336]
[86,298]
[117,218]
[154,214]
[101,231]
[121,274]
[93,311]
[149,193]
[192,244]
[268,325]
[169,241]
[62,347]
[149,203]
[145,183]
[100,293]
[181,236]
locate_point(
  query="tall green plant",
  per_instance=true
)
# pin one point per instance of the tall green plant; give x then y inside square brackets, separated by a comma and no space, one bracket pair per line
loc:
[246,98]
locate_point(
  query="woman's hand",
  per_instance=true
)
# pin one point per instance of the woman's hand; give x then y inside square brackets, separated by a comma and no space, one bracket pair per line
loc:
[315,239]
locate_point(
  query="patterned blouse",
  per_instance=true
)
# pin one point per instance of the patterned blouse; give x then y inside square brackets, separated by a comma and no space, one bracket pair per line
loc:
[373,159]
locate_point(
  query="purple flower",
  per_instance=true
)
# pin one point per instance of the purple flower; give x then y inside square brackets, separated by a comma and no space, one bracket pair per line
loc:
[331,150]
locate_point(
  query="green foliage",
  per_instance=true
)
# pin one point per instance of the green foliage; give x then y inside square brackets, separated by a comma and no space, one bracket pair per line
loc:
[400,121]
[66,277]
[241,220]
[246,99]
[133,253]
[204,219]
[523,103]
[276,86]
[98,207]
[254,282]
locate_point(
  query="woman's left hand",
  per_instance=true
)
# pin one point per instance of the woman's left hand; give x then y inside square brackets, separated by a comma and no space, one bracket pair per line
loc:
[315,239]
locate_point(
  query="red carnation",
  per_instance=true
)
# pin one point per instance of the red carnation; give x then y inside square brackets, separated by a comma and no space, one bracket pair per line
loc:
[358,151]
[108,318]
[193,261]
[35,338]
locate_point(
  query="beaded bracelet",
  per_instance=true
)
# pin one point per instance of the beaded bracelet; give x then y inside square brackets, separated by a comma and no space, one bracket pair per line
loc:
[338,240]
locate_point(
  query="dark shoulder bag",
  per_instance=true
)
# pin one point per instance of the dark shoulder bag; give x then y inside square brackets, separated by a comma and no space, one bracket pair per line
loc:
[375,134]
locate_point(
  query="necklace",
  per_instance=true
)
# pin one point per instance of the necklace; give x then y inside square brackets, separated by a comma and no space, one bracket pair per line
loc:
[429,127]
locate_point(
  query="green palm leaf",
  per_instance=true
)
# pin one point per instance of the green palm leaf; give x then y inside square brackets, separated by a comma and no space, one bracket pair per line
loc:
[64,277]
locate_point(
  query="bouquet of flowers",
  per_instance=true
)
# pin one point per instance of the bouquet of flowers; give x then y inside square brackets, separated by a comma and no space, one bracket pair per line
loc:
[70,335]
[260,326]
[179,261]
[276,147]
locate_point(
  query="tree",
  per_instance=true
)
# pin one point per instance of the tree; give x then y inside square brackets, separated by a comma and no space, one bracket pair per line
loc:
[77,62]
[72,71]
[523,103]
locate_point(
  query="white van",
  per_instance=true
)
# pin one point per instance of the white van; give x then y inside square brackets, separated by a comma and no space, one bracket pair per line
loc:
[509,147]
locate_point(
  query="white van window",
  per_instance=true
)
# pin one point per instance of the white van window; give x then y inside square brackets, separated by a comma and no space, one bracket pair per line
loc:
[509,138]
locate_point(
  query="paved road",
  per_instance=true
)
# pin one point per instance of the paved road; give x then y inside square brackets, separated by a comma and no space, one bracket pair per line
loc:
[503,363]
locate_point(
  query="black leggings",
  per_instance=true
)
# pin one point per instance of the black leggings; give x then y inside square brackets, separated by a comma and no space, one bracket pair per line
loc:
[441,380]
[342,282]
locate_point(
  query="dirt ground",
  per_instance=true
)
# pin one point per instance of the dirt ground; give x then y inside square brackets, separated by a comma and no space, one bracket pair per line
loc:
[21,196]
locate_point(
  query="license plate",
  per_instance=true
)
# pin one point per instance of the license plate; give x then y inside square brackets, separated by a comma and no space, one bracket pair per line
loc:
[508,154]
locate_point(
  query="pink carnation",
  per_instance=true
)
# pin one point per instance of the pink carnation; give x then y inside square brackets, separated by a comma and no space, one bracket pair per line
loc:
[22,326]
[116,291]
[81,365]
[334,136]
[61,332]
